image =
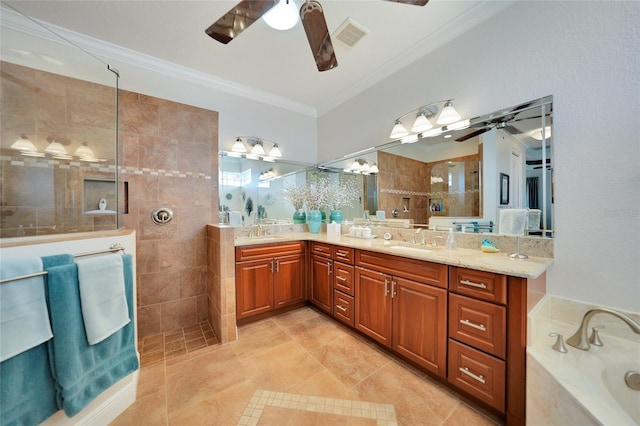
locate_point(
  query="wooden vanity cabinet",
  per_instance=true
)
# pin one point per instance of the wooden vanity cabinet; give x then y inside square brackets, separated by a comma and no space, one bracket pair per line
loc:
[268,277]
[398,305]
[321,278]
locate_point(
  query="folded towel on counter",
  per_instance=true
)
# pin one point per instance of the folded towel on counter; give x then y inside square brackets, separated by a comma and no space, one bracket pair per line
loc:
[235,218]
[512,221]
[84,371]
[24,319]
[102,296]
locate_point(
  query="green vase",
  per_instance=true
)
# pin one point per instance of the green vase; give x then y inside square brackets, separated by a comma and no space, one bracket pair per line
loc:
[314,221]
[299,217]
[336,216]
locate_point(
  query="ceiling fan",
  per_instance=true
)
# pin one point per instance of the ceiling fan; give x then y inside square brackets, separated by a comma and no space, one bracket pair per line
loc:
[245,13]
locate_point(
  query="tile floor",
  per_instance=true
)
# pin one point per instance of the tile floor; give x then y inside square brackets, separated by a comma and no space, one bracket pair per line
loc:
[299,368]
[162,346]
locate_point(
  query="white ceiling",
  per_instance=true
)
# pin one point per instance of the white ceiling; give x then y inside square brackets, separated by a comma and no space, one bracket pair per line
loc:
[279,63]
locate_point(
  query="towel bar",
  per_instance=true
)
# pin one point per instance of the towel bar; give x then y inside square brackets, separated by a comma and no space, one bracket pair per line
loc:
[113,248]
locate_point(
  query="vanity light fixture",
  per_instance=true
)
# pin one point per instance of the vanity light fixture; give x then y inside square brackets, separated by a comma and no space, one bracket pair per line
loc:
[84,153]
[413,138]
[431,133]
[459,125]
[421,123]
[23,144]
[254,148]
[238,146]
[282,16]
[56,149]
[361,166]
[374,168]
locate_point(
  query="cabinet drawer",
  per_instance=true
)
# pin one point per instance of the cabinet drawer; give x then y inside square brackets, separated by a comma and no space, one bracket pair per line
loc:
[268,250]
[343,276]
[412,269]
[343,254]
[482,285]
[343,307]
[478,374]
[321,249]
[479,324]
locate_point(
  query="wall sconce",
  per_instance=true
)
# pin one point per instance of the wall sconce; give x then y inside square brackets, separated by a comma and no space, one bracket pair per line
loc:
[362,166]
[257,150]
[26,147]
[421,123]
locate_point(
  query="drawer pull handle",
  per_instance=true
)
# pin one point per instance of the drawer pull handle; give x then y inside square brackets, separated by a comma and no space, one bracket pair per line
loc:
[472,284]
[341,254]
[343,309]
[386,287]
[341,278]
[476,326]
[466,371]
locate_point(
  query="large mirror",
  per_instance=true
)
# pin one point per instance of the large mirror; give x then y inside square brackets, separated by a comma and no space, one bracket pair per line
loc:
[466,176]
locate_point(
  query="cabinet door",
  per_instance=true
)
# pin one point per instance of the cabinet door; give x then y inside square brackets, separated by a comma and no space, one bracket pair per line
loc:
[288,279]
[254,287]
[321,291]
[420,323]
[373,305]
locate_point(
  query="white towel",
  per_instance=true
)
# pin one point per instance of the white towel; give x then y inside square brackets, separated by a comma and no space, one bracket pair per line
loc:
[512,221]
[235,218]
[24,318]
[102,296]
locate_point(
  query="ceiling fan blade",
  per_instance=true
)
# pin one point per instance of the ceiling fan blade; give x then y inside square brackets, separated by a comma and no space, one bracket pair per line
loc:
[473,134]
[239,19]
[315,26]
[414,2]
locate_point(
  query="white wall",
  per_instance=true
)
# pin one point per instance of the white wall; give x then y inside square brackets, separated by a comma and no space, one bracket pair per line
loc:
[585,54]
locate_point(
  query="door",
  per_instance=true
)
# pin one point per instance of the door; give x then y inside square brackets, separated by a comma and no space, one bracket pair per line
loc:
[288,279]
[373,305]
[321,292]
[420,323]
[254,287]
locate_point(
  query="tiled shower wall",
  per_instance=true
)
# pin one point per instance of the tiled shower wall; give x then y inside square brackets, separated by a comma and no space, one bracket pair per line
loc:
[169,155]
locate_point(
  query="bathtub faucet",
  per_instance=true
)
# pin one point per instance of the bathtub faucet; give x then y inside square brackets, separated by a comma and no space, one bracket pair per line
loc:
[579,339]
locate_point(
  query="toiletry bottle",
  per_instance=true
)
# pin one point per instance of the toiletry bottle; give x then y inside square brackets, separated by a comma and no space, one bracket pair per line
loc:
[21,232]
[451,241]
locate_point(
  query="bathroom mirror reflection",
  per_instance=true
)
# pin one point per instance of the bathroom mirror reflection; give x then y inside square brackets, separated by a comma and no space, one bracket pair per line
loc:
[58,134]
[454,178]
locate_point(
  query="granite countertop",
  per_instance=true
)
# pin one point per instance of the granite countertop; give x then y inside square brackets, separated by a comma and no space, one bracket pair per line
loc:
[500,262]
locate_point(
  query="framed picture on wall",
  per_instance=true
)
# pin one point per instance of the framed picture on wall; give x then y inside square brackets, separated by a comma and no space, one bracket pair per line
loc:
[504,189]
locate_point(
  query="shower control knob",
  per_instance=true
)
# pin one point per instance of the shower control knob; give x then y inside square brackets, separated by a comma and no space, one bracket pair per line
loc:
[162,216]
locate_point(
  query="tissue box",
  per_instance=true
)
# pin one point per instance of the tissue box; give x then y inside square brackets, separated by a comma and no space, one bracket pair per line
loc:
[333,228]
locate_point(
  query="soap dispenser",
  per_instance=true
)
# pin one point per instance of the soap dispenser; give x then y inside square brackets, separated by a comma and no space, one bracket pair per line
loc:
[451,241]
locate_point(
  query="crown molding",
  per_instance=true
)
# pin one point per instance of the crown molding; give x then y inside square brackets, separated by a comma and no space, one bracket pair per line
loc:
[108,52]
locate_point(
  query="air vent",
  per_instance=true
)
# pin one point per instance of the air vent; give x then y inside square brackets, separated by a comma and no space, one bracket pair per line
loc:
[350,32]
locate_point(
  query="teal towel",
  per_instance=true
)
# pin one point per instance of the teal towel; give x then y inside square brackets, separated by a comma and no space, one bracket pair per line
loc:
[84,371]
[27,388]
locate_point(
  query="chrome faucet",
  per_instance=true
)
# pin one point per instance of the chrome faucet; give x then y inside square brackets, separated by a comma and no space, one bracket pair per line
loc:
[580,340]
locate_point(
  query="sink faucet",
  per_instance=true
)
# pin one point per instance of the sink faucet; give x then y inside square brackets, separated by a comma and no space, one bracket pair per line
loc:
[579,339]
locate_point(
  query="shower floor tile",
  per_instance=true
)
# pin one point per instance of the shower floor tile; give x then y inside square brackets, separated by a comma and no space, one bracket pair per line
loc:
[162,346]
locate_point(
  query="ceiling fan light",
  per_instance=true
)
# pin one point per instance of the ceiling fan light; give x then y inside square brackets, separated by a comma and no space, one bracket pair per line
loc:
[23,144]
[282,16]
[449,114]
[258,148]
[56,149]
[537,134]
[238,146]
[398,131]
[421,124]
[275,151]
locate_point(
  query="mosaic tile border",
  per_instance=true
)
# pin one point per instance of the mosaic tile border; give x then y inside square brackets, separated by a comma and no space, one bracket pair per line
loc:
[384,414]
[100,167]
[427,194]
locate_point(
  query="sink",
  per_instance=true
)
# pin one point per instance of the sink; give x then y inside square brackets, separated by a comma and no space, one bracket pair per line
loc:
[411,249]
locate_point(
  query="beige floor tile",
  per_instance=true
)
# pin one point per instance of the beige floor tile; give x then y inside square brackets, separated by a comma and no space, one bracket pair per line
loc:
[464,415]
[350,360]
[298,315]
[151,380]
[323,383]
[416,400]
[314,332]
[148,410]
[258,337]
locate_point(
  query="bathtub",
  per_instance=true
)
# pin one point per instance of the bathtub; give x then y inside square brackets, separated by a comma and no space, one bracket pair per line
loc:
[580,387]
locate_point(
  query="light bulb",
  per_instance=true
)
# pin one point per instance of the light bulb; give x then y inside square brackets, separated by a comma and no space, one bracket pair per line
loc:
[282,16]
